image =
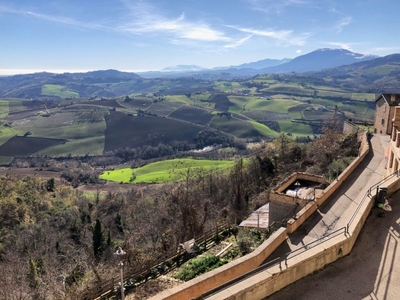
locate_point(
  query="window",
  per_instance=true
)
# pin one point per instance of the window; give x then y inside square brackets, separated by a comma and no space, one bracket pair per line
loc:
[383,122]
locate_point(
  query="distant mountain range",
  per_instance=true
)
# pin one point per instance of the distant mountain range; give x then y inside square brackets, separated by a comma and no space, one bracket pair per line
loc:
[313,61]
[330,67]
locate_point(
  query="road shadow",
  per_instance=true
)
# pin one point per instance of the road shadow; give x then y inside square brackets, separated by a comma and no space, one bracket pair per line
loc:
[354,276]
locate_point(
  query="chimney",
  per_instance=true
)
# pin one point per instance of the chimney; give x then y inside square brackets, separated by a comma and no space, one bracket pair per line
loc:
[393,99]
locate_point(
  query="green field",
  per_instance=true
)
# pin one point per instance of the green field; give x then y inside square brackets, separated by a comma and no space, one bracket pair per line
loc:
[6,133]
[237,128]
[90,145]
[276,105]
[164,171]
[264,130]
[296,129]
[83,138]
[4,108]
[179,99]
[58,90]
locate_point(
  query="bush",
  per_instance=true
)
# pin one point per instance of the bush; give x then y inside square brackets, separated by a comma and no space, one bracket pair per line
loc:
[198,266]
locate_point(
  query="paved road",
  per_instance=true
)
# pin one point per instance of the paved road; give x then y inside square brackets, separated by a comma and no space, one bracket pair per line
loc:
[338,209]
[370,271]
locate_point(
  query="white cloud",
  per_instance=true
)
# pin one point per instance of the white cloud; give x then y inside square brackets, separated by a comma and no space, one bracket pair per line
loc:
[345,46]
[273,6]
[342,23]
[239,42]
[53,18]
[299,51]
[147,20]
[284,36]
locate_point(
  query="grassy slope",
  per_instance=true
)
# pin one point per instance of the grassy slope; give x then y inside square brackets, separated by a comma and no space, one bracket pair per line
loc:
[57,90]
[296,129]
[6,133]
[164,171]
[179,98]
[264,130]
[4,108]
[277,105]
[82,138]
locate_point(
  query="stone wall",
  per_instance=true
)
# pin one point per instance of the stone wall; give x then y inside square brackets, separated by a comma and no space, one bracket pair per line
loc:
[349,127]
[196,287]
[307,210]
[274,279]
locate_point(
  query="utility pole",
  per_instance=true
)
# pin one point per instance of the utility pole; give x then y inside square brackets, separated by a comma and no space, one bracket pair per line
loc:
[120,253]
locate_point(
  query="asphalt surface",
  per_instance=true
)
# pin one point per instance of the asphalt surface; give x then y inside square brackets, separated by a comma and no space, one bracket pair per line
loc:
[336,212]
[372,269]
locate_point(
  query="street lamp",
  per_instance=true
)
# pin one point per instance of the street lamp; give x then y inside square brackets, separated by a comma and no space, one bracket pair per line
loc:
[120,253]
[297,186]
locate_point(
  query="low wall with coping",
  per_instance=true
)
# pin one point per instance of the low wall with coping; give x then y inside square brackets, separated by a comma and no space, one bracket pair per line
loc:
[299,266]
[197,286]
[273,279]
[311,207]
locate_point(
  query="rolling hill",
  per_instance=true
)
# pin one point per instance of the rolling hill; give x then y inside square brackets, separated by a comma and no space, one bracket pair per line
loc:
[328,67]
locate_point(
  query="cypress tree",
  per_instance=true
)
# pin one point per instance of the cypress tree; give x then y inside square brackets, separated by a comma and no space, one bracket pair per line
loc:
[33,274]
[98,239]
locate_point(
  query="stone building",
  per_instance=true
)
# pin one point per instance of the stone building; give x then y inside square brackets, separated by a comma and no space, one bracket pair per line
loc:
[393,154]
[387,122]
[384,112]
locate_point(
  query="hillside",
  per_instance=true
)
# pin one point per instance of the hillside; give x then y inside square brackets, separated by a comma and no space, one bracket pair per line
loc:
[330,68]
[318,60]
[373,76]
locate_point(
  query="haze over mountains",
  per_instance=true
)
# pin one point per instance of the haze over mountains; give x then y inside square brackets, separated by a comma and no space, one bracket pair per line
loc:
[331,67]
[313,61]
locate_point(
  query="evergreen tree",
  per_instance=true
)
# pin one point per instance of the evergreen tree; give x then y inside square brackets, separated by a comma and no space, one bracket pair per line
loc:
[98,239]
[51,185]
[33,274]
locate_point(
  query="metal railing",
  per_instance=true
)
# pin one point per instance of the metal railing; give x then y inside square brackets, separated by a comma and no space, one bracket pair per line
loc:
[240,278]
[368,194]
[303,249]
[315,243]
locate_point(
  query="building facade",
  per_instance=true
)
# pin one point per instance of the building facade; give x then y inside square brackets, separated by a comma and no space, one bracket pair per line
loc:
[393,154]
[384,112]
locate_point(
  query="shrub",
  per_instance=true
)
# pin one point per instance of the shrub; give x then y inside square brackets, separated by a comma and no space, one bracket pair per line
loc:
[200,265]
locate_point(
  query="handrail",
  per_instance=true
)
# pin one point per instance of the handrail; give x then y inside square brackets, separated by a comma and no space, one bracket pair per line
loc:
[269,264]
[368,194]
[240,278]
[396,173]
[307,246]
[353,216]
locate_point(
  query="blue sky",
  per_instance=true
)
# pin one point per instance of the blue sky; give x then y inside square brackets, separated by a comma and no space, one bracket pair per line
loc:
[138,35]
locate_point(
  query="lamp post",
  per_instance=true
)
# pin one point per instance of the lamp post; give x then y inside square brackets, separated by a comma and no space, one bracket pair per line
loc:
[120,253]
[297,186]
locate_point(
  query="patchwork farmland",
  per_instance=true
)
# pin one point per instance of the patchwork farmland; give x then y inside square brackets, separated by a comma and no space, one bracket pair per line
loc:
[25,146]
[192,114]
[240,109]
[130,131]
